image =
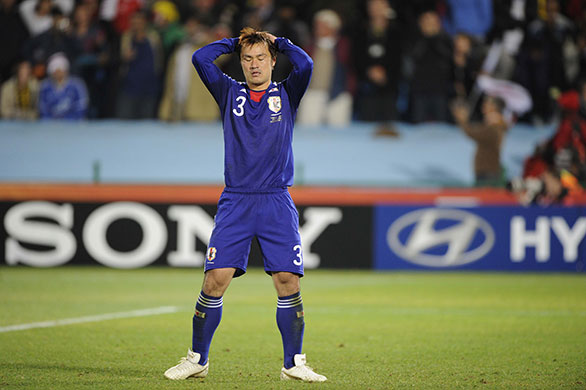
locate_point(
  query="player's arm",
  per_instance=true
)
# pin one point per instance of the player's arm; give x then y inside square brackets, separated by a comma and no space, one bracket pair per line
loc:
[298,81]
[213,78]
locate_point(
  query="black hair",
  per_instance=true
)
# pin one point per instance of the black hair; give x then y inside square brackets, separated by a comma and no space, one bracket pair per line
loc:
[250,36]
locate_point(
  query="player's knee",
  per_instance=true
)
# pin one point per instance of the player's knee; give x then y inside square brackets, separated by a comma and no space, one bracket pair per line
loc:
[286,283]
[216,281]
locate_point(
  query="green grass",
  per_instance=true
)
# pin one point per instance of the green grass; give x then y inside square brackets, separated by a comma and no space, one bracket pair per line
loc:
[364,330]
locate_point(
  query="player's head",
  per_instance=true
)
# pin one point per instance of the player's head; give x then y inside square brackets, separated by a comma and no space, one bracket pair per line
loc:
[258,56]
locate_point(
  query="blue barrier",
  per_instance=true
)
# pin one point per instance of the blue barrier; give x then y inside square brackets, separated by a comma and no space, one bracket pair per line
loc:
[158,152]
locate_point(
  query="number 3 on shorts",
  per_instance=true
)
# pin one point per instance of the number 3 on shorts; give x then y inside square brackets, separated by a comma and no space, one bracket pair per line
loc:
[299,260]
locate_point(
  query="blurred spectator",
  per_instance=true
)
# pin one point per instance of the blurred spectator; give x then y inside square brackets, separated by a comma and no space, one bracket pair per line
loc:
[488,135]
[185,96]
[507,31]
[89,37]
[553,173]
[470,17]
[328,99]
[19,97]
[566,149]
[568,145]
[62,96]
[431,56]
[57,39]
[516,98]
[408,13]
[37,13]
[465,71]
[122,12]
[166,22]
[541,44]
[259,13]
[576,11]
[11,25]
[92,8]
[582,92]
[94,56]
[142,61]
[581,45]
[378,59]
[548,188]
[543,60]
[210,12]
[286,24]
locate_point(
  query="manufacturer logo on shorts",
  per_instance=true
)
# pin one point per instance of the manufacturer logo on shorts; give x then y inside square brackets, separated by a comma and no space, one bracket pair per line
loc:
[440,237]
[274,103]
[211,255]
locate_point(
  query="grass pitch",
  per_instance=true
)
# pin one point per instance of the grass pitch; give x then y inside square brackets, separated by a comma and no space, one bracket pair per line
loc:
[364,330]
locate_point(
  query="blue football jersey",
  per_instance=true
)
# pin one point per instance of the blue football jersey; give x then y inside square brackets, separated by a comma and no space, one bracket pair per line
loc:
[258,136]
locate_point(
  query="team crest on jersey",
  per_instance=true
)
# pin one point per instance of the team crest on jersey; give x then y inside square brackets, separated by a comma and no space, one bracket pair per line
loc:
[274,103]
[211,255]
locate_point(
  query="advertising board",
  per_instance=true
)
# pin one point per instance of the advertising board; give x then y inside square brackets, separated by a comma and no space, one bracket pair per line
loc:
[128,234]
[480,238]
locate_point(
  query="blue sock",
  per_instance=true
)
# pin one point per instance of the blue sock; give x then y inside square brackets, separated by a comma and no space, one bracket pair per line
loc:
[208,313]
[291,325]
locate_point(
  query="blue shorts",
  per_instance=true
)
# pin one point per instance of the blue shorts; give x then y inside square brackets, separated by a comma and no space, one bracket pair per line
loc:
[269,216]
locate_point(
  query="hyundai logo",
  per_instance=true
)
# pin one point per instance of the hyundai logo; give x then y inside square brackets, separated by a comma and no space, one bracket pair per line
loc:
[463,237]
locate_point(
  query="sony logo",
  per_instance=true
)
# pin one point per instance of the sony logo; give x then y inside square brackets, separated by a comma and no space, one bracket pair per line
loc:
[50,225]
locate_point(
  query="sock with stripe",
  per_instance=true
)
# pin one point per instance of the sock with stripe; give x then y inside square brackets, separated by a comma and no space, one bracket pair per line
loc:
[291,325]
[208,313]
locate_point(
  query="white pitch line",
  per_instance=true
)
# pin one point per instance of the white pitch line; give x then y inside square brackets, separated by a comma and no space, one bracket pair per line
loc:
[96,318]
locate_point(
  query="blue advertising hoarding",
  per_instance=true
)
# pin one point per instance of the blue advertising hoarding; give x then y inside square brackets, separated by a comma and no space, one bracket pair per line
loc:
[512,238]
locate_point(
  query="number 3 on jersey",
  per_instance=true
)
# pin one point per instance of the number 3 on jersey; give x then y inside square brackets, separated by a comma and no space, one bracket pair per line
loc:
[239,110]
[299,260]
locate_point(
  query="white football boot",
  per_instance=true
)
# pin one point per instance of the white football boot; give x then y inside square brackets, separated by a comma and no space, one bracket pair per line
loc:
[301,371]
[188,367]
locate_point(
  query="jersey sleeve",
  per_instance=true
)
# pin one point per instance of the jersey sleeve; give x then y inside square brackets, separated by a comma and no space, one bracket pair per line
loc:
[298,81]
[213,78]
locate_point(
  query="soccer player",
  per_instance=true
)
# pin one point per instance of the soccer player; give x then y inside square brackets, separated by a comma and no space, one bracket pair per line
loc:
[258,118]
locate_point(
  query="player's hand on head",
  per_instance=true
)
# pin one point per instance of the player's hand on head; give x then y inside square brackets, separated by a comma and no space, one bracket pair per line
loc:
[271,37]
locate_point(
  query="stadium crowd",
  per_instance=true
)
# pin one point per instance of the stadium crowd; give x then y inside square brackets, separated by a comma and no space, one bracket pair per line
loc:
[375,60]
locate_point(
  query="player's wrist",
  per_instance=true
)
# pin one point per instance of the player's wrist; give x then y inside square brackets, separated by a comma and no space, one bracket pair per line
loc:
[234,43]
[278,42]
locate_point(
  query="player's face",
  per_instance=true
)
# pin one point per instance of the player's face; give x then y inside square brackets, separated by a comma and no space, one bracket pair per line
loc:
[257,66]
